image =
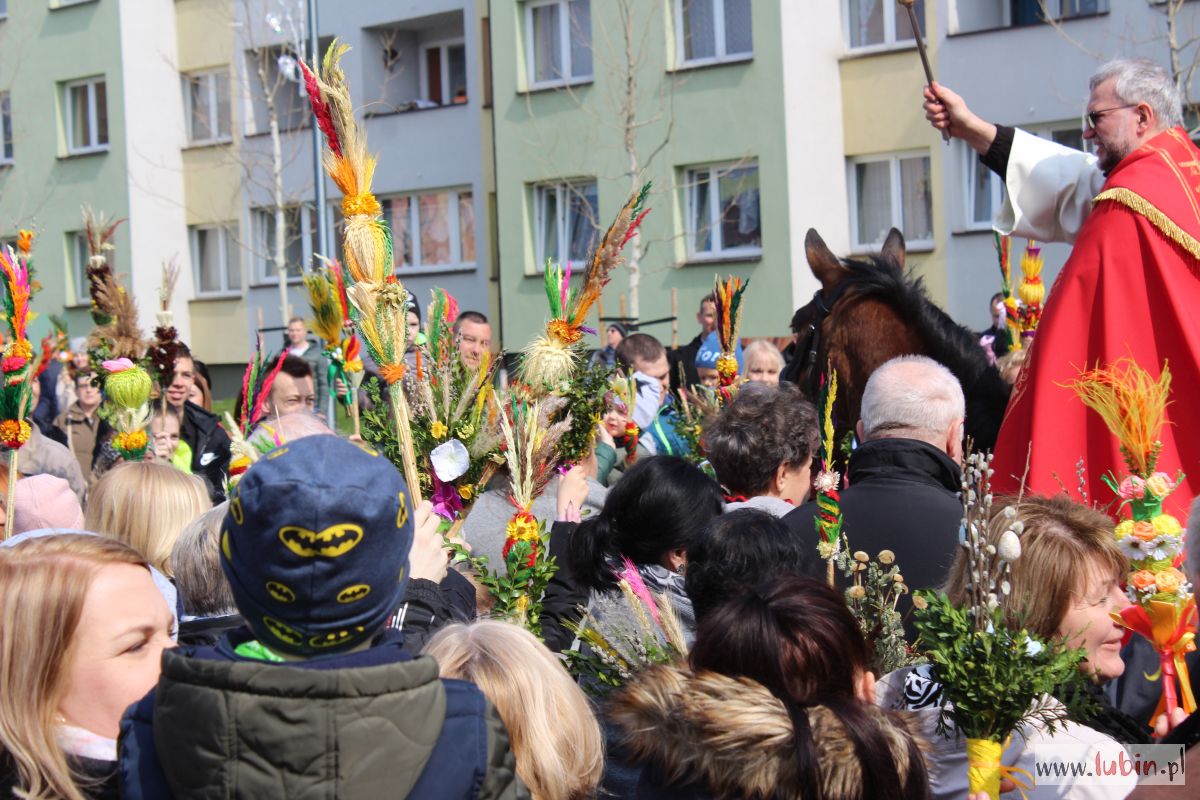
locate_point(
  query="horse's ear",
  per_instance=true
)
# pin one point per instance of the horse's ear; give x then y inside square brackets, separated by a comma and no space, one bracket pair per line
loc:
[823,263]
[893,248]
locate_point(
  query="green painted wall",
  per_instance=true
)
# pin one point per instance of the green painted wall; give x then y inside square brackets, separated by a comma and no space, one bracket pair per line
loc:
[40,49]
[721,113]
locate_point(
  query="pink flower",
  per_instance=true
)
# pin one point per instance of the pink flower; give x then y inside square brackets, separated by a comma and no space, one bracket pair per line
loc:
[118,365]
[1132,488]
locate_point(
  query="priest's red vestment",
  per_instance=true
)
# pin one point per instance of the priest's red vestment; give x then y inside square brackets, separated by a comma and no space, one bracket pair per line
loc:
[1131,287]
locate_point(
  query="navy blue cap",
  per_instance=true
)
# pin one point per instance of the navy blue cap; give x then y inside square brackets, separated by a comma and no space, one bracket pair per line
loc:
[315,545]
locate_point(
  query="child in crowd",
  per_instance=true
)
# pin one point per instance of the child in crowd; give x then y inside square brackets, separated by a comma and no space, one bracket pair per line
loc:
[764,362]
[618,439]
[315,697]
[706,360]
[167,448]
[762,446]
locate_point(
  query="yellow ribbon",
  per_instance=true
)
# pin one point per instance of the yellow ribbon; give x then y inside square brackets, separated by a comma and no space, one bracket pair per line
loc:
[985,770]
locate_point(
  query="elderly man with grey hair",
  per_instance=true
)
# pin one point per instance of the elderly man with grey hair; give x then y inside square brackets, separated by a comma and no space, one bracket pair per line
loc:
[1131,284]
[904,477]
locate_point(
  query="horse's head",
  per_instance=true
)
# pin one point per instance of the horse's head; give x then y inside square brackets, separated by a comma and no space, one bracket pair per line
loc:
[831,272]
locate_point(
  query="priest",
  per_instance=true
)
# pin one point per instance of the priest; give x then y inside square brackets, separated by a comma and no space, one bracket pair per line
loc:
[1131,286]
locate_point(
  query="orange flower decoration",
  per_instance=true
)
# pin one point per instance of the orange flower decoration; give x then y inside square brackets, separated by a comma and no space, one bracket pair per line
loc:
[1169,580]
[564,331]
[14,433]
[25,241]
[1144,530]
[1142,579]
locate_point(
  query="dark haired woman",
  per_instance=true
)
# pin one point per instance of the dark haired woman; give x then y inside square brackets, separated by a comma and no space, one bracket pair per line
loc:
[649,520]
[777,702]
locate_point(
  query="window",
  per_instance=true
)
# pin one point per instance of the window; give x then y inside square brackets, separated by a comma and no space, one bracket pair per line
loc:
[880,23]
[77,260]
[984,187]
[558,41]
[3,9]
[431,231]
[890,191]
[723,211]
[564,221]
[214,262]
[206,106]
[86,116]
[299,241]
[274,74]
[710,31]
[981,15]
[6,129]
[444,73]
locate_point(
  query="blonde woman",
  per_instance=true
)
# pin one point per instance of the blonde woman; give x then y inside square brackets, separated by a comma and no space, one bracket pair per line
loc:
[146,505]
[82,631]
[764,362]
[555,737]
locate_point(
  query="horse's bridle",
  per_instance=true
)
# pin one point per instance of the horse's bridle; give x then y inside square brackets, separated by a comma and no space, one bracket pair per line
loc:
[809,376]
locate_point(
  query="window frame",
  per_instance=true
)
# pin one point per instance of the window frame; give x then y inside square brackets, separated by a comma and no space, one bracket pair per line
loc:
[213,101]
[93,115]
[7,145]
[720,43]
[1045,130]
[691,183]
[890,42]
[564,44]
[563,190]
[444,46]
[896,199]
[226,236]
[79,256]
[264,271]
[454,224]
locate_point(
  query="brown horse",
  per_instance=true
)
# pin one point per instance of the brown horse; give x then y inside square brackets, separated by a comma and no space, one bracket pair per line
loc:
[868,311]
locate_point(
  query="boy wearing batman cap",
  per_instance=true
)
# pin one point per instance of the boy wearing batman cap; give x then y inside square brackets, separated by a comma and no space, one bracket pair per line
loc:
[315,698]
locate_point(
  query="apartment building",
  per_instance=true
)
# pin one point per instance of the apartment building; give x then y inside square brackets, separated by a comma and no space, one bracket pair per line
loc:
[590,98]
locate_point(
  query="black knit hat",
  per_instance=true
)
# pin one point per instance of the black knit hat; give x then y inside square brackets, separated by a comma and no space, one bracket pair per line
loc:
[315,545]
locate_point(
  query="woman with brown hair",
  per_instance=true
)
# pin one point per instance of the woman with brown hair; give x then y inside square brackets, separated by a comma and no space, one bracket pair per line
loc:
[82,629]
[777,702]
[1063,587]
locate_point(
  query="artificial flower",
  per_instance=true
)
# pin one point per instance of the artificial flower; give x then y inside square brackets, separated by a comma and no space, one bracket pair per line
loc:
[446,502]
[438,429]
[827,481]
[25,241]
[466,492]
[1124,528]
[1169,580]
[1160,484]
[13,363]
[887,557]
[1167,525]
[14,433]
[1142,579]
[1132,488]
[1144,529]
[21,348]
[450,460]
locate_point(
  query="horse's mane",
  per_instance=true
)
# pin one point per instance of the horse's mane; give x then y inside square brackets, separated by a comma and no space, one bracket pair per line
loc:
[946,341]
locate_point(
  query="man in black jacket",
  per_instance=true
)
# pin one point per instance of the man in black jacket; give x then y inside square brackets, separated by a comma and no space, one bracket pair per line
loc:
[201,430]
[904,479]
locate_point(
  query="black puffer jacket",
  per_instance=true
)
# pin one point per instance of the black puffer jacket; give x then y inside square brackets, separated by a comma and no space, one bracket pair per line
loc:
[904,497]
[210,448]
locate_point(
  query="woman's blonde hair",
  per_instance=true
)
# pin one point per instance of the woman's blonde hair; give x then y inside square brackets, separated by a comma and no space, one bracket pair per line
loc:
[146,505]
[43,584]
[554,735]
[1062,546]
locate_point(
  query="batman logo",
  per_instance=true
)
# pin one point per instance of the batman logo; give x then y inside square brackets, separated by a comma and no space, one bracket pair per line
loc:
[352,593]
[235,510]
[283,632]
[334,541]
[402,516]
[280,592]
[366,449]
[225,544]
[334,638]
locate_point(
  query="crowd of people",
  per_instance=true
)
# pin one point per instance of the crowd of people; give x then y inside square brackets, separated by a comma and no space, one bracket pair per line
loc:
[311,631]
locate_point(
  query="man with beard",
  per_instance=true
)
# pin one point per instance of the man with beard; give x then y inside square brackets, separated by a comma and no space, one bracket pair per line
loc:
[1129,288]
